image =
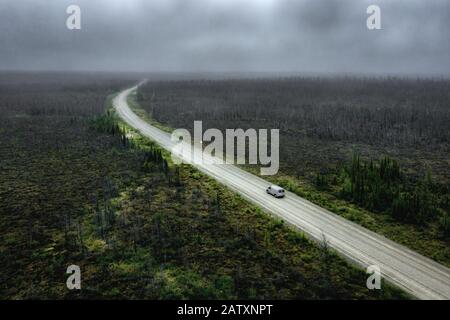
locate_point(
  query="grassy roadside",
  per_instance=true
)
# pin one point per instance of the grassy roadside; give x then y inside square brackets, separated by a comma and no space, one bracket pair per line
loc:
[426,241]
[134,105]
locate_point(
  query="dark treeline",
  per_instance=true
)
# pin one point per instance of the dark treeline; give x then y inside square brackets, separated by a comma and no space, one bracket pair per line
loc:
[387,111]
[63,94]
[382,186]
[321,120]
[151,155]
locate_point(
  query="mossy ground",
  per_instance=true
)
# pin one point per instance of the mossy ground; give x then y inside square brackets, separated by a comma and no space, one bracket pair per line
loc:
[73,195]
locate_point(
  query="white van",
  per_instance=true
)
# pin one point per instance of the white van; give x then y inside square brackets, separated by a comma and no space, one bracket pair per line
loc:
[276,191]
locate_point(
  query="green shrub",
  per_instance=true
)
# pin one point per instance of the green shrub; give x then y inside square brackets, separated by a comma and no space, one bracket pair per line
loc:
[381,186]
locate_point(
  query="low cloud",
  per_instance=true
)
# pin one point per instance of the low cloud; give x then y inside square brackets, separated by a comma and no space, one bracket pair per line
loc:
[227,35]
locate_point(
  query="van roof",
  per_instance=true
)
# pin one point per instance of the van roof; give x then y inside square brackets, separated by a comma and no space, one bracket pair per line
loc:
[276,187]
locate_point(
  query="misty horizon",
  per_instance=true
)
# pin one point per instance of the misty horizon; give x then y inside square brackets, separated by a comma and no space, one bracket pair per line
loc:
[233,37]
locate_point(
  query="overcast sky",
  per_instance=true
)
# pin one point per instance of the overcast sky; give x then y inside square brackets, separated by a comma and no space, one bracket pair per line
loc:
[227,35]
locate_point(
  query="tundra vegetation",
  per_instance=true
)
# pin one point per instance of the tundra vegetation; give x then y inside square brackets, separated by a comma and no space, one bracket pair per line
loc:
[374,150]
[78,187]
